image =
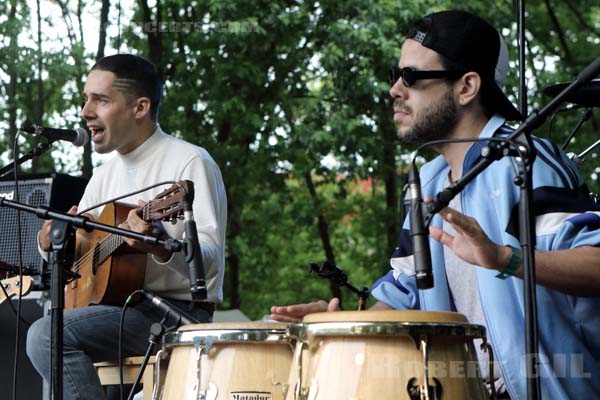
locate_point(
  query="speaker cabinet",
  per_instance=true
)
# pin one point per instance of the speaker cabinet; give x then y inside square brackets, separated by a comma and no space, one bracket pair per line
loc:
[29,383]
[57,191]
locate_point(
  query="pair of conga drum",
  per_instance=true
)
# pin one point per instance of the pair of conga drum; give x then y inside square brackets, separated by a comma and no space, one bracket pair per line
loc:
[329,356]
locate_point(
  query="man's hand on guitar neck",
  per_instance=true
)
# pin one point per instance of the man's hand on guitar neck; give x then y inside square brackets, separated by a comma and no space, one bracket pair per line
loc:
[44,234]
[135,223]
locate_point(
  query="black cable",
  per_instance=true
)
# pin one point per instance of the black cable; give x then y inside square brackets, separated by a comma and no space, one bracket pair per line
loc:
[127,195]
[20,253]
[121,322]
[516,145]
[120,351]
[554,114]
[470,140]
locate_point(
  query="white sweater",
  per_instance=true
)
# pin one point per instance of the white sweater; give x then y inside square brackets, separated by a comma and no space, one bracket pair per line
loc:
[162,158]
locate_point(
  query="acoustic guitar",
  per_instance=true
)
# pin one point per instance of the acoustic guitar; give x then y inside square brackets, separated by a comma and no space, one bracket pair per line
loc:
[109,269]
[11,287]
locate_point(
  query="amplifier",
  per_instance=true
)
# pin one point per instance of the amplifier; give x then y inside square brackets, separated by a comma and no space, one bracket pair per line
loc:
[56,191]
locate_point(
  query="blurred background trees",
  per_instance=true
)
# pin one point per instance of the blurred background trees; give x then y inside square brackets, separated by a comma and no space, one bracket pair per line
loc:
[290,98]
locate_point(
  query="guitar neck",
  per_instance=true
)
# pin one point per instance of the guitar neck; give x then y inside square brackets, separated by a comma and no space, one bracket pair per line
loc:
[107,247]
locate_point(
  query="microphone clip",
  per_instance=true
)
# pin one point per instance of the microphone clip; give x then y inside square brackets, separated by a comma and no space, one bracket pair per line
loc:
[329,271]
[338,277]
[192,250]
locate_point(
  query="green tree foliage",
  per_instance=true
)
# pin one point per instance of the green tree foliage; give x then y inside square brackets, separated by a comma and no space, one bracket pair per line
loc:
[20,102]
[291,99]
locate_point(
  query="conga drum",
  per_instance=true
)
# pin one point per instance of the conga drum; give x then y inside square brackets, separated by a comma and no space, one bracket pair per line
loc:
[225,361]
[385,355]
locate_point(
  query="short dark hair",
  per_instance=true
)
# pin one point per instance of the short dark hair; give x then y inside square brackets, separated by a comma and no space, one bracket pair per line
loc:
[486,103]
[134,75]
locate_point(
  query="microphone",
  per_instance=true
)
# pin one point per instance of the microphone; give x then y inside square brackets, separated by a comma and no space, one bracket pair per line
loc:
[193,254]
[78,136]
[419,232]
[140,296]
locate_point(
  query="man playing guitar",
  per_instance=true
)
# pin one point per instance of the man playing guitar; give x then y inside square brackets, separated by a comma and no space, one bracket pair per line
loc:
[121,98]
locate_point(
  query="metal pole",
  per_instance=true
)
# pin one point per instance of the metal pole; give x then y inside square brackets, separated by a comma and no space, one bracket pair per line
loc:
[522,48]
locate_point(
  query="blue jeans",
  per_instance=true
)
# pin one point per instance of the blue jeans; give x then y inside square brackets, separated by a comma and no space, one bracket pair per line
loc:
[91,334]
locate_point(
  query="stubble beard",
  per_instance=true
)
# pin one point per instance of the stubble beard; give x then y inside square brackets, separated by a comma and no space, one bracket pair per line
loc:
[433,123]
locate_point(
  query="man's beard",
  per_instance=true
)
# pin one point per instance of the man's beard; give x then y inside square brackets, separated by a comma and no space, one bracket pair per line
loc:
[433,123]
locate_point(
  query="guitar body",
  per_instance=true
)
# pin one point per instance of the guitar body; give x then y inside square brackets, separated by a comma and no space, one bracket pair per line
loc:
[109,269]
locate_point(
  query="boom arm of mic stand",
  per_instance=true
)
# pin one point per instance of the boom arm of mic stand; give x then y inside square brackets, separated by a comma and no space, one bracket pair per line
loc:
[37,151]
[85,223]
[442,199]
[585,115]
[586,151]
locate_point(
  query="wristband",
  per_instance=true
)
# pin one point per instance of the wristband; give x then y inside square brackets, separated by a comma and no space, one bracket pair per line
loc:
[513,264]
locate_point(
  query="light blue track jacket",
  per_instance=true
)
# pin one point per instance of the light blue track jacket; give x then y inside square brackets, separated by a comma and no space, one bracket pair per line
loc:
[566,217]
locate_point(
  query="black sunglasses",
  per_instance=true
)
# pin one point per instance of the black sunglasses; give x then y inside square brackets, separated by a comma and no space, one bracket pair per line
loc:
[410,75]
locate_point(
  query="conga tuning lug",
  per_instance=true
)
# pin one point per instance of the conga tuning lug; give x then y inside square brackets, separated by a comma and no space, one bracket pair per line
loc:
[284,388]
[208,394]
[414,390]
[311,392]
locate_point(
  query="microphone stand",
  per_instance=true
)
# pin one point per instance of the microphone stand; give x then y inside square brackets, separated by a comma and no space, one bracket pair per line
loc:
[157,330]
[339,278]
[585,115]
[522,135]
[61,226]
[40,149]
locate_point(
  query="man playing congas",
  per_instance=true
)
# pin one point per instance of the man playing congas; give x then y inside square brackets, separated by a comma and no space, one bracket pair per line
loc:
[477,235]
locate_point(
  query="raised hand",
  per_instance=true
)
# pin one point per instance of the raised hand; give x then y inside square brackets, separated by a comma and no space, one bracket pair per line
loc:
[470,243]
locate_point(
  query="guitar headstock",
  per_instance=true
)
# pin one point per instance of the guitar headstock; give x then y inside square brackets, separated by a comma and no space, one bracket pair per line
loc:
[168,204]
[11,287]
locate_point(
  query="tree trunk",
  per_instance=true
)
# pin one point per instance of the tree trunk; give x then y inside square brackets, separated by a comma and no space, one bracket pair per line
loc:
[393,222]
[87,168]
[11,91]
[234,227]
[559,31]
[323,232]
[77,53]
[102,33]
[153,35]
[233,260]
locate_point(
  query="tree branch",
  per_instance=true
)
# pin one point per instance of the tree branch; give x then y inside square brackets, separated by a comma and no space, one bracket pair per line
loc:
[559,31]
[580,18]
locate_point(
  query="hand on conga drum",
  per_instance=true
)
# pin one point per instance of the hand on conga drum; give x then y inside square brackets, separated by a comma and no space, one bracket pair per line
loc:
[295,312]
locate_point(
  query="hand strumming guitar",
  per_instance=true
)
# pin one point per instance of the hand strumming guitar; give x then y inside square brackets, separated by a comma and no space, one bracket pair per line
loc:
[135,223]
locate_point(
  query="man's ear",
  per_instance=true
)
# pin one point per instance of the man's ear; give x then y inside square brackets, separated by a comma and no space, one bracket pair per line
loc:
[468,88]
[141,107]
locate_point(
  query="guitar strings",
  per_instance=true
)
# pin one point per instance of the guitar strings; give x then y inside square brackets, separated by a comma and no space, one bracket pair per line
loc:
[112,240]
[108,241]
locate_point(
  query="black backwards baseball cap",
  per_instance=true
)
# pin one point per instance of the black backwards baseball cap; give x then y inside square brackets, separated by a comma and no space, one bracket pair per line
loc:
[473,45]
